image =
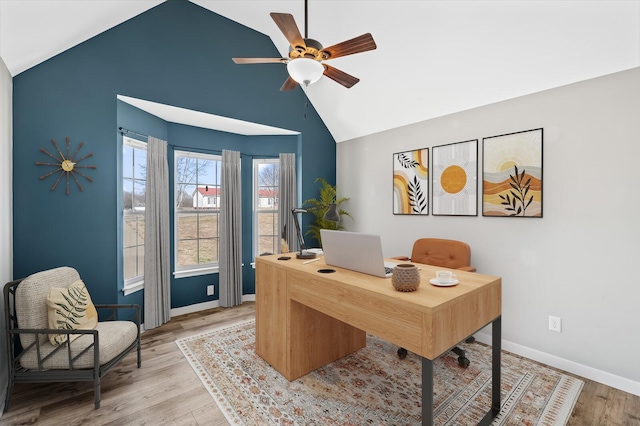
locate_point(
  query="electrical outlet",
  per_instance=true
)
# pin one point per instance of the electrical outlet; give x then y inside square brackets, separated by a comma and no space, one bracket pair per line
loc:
[210,290]
[555,323]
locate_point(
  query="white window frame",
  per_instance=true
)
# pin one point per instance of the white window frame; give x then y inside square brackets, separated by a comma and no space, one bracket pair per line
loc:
[131,285]
[191,270]
[256,201]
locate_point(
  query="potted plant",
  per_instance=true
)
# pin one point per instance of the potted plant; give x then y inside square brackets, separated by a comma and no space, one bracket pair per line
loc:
[319,206]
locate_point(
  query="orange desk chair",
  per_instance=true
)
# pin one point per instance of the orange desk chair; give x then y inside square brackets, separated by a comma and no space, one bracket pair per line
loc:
[449,254]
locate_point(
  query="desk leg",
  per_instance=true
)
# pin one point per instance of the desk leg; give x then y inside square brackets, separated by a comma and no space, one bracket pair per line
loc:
[496,342]
[427,392]
[496,348]
[427,380]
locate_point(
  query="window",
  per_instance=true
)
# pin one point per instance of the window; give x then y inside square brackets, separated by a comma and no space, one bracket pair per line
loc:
[197,201]
[134,183]
[266,174]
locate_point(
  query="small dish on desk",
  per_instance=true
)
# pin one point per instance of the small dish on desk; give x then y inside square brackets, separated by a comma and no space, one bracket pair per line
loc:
[449,283]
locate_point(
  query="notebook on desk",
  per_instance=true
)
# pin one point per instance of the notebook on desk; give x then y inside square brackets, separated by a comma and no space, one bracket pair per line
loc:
[355,251]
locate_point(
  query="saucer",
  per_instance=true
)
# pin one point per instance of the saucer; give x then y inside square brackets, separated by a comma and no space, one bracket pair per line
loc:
[449,283]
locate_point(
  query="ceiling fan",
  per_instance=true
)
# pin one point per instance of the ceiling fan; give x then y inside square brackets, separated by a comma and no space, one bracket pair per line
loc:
[306,55]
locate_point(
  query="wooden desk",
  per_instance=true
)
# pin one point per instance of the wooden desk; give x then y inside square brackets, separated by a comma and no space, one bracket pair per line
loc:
[306,319]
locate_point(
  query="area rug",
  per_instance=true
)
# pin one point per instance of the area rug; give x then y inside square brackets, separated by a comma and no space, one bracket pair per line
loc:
[373,386]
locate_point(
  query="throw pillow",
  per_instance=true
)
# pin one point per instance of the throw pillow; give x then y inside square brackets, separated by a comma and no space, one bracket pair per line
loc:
[70,308]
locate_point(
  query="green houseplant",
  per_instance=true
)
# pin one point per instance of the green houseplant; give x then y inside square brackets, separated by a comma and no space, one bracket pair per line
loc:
[319,206]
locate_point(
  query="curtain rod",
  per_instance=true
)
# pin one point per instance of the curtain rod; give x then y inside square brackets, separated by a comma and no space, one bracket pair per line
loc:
[194,149]
[189,148]
[123,131]
[214,151]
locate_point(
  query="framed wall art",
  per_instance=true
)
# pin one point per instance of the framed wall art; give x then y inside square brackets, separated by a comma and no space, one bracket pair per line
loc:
[411,182]
[454,174]
[512,174]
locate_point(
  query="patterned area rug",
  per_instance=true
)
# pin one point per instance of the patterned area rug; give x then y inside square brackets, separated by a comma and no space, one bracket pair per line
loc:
[372,386]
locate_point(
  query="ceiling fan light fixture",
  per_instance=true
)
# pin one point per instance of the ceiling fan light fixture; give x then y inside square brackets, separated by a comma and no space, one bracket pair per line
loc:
[305,71]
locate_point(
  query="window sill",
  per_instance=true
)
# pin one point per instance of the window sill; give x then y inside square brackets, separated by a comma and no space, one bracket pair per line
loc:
[133,288]
[196,271]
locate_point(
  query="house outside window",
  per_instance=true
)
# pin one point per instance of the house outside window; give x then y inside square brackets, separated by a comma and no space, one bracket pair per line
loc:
[267,233]
[134,183]
[197,213]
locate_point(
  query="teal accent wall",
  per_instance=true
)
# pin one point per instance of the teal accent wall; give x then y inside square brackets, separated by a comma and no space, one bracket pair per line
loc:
[178,54]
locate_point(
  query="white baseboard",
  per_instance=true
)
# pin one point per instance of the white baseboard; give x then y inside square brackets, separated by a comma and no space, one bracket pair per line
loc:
[203,306]
[206,305]
[194,308]
[585,371]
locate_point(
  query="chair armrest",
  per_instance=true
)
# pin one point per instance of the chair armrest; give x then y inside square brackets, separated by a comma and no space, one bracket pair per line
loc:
[467,268]
[118,306]
[15,356]
[47,331]
[404,258]
[115,308]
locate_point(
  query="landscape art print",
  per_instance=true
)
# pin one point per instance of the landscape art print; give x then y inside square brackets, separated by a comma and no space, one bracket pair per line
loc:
[454,173]
[411,182]
[512,175]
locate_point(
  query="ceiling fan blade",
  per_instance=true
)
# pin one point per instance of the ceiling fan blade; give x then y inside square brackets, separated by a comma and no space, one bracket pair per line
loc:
[359,44]
[340,76]
[290,84]
[260,60]
[288,26]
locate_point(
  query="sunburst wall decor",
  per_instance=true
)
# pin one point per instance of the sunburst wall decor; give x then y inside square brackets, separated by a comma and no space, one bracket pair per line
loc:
[66,165]
[455,179]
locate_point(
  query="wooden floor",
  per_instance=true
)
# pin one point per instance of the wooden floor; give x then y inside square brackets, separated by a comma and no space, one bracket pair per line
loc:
[166,391]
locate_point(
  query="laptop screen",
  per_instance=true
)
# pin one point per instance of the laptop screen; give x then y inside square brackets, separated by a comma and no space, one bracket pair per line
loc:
[355,251]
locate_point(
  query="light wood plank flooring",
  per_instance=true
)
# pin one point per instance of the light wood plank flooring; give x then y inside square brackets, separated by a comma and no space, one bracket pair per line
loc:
[166,391]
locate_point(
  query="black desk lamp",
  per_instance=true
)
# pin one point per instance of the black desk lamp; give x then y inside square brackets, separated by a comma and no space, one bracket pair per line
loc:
[331,215]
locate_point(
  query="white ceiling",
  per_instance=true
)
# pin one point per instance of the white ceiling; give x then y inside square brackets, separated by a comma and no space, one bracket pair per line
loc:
[201,119]
[433,58]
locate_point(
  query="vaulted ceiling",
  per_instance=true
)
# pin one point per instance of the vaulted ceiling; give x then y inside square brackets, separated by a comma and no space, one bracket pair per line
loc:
[433,57]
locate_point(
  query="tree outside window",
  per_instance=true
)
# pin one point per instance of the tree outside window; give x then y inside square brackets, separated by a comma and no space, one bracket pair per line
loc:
[266,187]
[134,183]
[197,212]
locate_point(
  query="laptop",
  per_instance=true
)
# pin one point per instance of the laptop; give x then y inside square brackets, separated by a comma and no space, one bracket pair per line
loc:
[355,251]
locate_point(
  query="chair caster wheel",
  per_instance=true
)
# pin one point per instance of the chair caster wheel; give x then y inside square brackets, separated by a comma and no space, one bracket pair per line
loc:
[402,353]
[463,362]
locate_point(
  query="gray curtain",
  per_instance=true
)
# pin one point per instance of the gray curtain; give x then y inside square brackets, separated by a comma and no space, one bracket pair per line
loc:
[230,231]
[157,295]
[288,199]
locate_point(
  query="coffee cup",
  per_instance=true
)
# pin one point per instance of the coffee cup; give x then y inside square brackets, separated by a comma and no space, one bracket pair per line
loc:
[445,276]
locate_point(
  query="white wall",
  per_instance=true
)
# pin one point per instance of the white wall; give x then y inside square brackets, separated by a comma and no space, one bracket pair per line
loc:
[6,207]
[578,262]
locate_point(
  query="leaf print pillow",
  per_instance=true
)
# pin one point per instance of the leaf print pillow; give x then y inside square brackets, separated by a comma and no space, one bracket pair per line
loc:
[70,309]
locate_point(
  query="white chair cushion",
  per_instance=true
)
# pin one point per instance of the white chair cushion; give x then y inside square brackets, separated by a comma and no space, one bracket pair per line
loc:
[114,337]
[31,299]
[31,312]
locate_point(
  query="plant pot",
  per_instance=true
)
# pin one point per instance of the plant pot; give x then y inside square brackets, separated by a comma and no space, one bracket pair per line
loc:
[405,277]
